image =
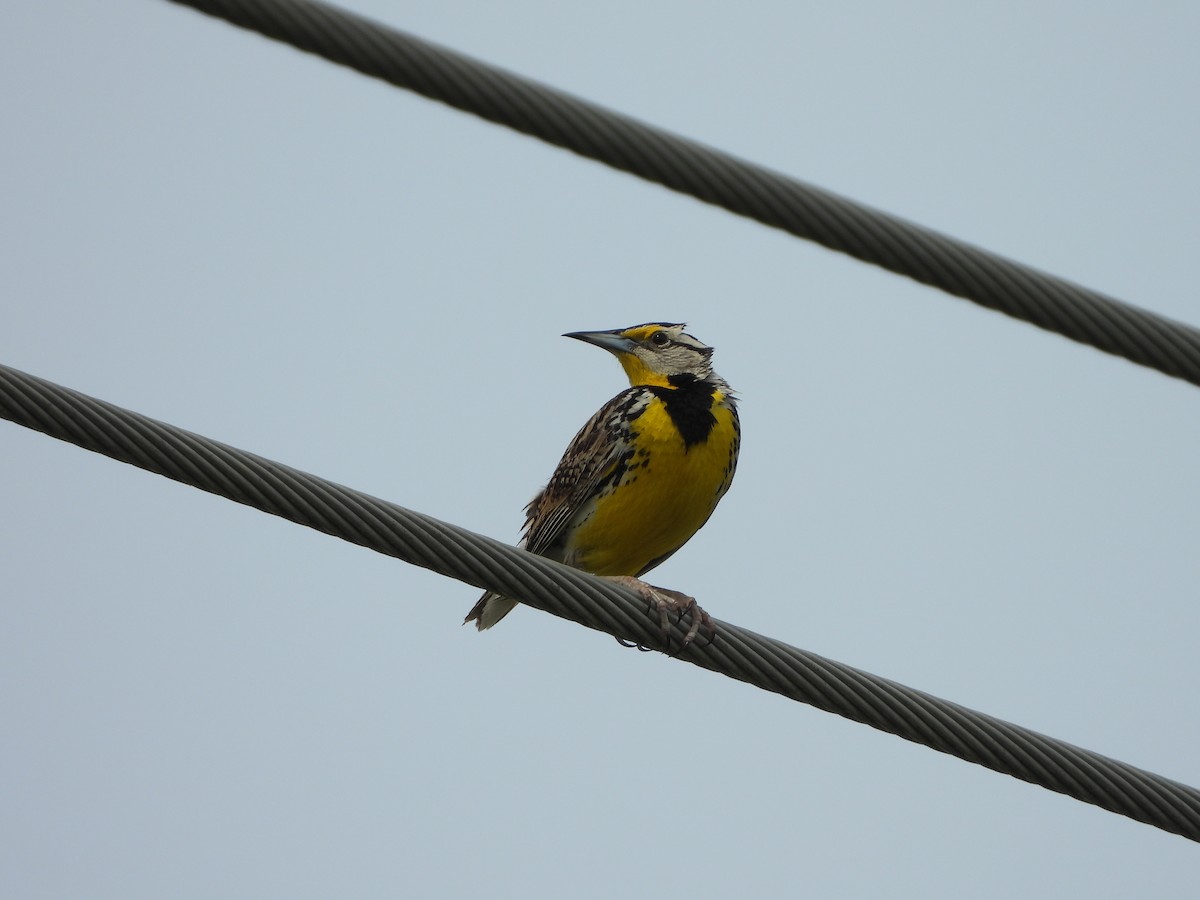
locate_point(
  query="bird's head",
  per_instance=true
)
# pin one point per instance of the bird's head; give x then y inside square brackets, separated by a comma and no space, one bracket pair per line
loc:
[654,353]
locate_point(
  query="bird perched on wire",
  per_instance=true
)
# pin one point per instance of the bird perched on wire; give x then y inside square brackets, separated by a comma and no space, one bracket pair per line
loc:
[642,475]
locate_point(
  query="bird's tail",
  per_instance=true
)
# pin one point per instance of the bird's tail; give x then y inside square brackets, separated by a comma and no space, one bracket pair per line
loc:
[490,609]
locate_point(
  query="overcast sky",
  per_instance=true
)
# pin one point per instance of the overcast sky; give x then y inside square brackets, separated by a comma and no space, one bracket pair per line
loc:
[199,700]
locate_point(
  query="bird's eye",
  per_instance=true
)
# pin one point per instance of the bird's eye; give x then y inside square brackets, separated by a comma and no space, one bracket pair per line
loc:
[659,339]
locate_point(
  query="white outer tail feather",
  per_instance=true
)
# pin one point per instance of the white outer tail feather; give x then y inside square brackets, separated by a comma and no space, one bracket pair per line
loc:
[490,609]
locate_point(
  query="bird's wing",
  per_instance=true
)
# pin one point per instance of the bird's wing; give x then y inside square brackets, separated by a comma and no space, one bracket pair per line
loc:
[598,453]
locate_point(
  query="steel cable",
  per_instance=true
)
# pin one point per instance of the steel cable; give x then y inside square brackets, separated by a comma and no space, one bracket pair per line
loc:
[771,198]
[486,563]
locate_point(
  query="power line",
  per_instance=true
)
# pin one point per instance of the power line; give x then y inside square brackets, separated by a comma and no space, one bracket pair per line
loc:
[715,177]
[486,563]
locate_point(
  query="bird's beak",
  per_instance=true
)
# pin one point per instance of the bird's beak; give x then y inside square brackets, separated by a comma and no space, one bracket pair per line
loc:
[612,341]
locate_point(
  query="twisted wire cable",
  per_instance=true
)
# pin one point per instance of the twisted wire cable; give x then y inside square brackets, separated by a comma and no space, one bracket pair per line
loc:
[771,198]
[486,563]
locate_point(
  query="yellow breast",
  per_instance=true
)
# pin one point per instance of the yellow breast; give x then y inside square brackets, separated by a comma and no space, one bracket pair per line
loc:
[667,491]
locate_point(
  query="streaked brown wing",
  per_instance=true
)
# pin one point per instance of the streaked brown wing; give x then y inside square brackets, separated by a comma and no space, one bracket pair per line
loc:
[594,454]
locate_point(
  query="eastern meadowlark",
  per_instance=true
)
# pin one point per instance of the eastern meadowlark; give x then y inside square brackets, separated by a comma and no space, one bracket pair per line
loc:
[642,475]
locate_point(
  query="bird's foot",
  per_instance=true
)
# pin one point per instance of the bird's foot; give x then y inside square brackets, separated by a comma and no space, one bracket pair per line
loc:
[666,602]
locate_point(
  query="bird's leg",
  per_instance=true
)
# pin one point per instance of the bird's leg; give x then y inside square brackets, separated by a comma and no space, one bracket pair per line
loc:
[666,602]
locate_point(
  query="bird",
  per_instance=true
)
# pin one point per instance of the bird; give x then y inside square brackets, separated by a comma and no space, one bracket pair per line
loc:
[641,476]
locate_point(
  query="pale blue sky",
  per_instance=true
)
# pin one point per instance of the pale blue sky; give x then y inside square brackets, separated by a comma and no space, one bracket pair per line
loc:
[200,700]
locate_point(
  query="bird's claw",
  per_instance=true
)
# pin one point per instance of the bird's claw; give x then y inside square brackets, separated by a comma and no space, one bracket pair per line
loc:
[665,602]
[683,605]
[632,644]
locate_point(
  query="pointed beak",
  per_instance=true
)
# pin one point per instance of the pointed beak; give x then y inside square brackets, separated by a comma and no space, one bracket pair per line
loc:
[612,341]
